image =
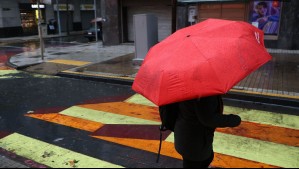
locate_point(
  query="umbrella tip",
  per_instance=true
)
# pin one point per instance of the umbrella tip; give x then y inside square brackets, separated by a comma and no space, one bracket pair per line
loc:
[188,36]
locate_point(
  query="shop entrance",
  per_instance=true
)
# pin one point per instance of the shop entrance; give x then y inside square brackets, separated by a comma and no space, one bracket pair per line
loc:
[29,22]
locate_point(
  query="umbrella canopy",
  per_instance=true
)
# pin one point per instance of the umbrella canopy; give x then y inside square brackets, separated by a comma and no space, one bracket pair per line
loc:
[97,20]
[205,59]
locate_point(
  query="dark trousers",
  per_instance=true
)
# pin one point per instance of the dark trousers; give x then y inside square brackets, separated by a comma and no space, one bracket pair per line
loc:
[198,164]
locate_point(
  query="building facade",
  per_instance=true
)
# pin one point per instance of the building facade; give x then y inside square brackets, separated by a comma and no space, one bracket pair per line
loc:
[279,21]
[18,17]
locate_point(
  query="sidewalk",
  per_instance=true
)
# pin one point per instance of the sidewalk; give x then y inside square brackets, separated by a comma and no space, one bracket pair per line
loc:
[276,79]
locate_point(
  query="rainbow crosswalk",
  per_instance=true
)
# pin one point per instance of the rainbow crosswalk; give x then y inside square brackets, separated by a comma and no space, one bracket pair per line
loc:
[263,140]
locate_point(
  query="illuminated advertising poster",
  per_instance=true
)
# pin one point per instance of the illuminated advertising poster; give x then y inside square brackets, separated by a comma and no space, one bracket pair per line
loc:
[266,16]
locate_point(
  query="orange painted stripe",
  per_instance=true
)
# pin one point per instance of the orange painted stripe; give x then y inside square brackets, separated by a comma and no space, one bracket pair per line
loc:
[68,121]
[5,68]
[128,109]
[264,132]
[221,160]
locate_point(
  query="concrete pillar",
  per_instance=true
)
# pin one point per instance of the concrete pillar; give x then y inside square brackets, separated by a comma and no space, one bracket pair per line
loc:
[289,30]
[111,27]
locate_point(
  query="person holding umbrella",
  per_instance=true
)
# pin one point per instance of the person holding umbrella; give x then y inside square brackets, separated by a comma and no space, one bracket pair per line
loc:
[193,68]
[195,127]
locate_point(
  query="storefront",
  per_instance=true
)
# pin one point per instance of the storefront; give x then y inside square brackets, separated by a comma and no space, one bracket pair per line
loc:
[87,14]
[29,17]
[66,16]
[271,16]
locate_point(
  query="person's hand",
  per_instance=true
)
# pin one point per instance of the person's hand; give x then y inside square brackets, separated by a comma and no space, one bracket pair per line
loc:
[263,19]
[236,120]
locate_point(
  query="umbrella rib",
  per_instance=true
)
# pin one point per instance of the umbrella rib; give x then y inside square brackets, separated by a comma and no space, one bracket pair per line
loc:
[207,60]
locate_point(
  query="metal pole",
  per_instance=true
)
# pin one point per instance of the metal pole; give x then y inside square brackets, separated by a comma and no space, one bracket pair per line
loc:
[58,18]
[95,16]
[40,31]
[67,18]
[174,16]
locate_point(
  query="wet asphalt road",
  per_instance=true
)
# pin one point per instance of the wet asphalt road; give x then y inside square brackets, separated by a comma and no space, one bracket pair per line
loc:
[22,93]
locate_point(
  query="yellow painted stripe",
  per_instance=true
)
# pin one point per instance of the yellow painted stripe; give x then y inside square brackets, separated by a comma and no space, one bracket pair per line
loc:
[265,94]
[98,75]
[74,122]
[50,155]
[105,117]
[69,62]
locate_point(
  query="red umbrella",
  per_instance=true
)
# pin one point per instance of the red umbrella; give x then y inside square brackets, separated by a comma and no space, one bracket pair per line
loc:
[205,59]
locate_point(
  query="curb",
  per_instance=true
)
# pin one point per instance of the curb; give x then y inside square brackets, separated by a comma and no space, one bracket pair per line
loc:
[113,80]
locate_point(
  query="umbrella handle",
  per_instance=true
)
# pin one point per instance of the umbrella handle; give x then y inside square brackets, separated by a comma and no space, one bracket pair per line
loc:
[160,146]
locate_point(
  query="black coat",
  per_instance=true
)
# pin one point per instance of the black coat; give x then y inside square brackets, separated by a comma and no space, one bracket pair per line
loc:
[196,124]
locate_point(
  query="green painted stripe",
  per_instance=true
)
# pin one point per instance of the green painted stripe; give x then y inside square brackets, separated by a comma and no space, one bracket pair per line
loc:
[13,74]
[170,138]
[139,99]
[105,117]
[50,155]
[263,117]
[256,150]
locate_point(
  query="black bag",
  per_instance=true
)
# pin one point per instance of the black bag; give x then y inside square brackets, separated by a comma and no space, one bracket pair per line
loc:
[168,116]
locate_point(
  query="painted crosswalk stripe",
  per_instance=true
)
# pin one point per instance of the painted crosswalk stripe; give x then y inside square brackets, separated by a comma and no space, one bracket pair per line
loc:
[127,109]
[139,99]
[104,117]
[252,144]
[69,62]
[263,117]
[257,150]
[256,116]
[50,155]
[12,74]
[221,160]
[78,123]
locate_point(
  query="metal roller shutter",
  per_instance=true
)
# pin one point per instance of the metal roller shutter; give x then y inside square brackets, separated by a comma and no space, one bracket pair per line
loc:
[230,11]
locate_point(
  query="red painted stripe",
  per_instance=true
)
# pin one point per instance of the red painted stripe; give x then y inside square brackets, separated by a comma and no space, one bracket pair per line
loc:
[145,132]
[4,134]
